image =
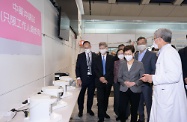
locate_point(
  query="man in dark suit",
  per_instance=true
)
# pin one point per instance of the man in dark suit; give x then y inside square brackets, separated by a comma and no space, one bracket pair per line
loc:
[149,60]
[86,78]
[183,56]
[104,66]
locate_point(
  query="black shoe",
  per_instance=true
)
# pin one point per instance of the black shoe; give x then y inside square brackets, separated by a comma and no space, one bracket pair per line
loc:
[117,119]
[91,113]
[107,116]
[101,120]
[140,120]
[80,114]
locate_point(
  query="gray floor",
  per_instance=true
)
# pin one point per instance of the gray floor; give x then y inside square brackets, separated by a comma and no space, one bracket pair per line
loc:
[88,118]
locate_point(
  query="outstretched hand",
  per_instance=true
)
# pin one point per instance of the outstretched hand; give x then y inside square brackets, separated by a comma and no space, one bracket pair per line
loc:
[146,78]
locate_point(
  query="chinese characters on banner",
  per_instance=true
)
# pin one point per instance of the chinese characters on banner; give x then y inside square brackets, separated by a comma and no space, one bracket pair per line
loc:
[20,21]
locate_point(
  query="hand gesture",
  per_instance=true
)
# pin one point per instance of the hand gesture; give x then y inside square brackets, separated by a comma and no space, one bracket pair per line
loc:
[146,78]
[129,84]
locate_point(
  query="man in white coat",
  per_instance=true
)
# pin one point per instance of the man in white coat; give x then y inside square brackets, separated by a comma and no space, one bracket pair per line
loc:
[169,99]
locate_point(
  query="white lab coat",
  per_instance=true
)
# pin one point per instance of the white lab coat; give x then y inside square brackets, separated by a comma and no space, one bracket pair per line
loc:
[169,99]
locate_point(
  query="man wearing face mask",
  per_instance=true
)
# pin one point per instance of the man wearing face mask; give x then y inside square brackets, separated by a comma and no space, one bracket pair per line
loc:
[169,98]
[149,60]
[104,66]
[86,78]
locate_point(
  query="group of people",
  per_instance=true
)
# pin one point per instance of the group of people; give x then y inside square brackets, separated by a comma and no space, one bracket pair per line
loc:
[138,79]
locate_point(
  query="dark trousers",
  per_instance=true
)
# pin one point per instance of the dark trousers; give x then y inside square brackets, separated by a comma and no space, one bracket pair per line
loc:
[116,87]
[133,99]
[145,97]
[103,93]
[90,86]
[116,100]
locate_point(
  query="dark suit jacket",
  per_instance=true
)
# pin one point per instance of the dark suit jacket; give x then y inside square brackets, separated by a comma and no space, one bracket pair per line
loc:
[81,67]
[109,76]
[183,55]
[149,62]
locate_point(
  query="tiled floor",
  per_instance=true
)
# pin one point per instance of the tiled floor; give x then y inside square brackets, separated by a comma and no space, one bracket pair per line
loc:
[88,118]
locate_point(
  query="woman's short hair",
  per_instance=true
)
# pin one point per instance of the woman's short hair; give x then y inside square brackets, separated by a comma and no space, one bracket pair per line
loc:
[119,50]
[129,47]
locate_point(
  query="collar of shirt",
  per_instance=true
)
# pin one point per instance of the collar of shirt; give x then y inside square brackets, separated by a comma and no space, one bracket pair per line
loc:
[141,55]
[164,47]
[104,56]
[88,53]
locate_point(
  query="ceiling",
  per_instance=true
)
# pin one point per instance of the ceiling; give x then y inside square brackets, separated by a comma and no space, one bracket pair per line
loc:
[154,10]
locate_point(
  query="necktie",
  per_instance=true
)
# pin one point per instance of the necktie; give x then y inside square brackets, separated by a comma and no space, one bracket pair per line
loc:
[103,63]
[89,64]
[88,60]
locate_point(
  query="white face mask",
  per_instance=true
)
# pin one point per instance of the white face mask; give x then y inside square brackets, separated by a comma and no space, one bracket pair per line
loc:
[102,51]
[128,57]
[121,56]
[141,47]
[87,50]
[155,45]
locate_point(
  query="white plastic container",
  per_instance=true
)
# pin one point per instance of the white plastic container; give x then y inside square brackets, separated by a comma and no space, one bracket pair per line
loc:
[40,108]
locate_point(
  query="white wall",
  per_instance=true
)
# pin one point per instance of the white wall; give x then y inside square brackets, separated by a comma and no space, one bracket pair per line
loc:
[23,75]
[113,40]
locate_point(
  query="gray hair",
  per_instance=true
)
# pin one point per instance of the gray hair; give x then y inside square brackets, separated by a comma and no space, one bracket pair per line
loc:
[103,44]
[163,33]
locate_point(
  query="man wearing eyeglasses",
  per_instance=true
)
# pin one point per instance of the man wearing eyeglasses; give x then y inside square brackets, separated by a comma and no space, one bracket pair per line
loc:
[169,98]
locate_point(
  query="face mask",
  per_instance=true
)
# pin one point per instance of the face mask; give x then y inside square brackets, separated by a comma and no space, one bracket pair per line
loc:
[87,50]
[128,57]
[102,51]
[120,56]
[155,45]
[141,47]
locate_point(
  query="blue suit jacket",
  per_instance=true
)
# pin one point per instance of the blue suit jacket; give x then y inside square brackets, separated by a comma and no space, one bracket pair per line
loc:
[149,62]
